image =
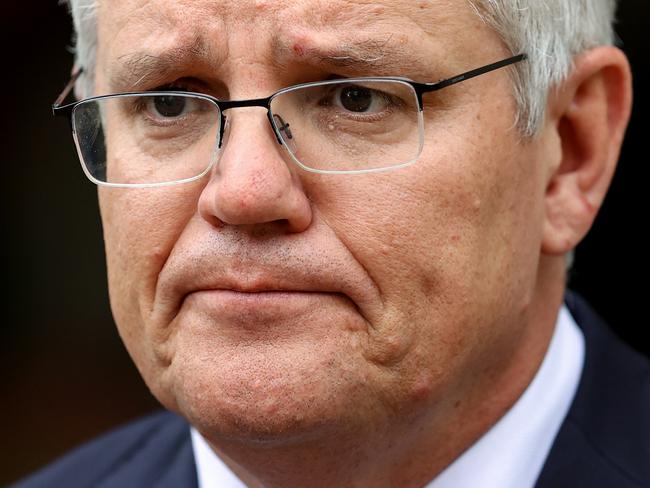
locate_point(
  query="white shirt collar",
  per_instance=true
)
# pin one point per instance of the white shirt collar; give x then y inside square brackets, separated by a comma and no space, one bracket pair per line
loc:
[511,454]
[211,470]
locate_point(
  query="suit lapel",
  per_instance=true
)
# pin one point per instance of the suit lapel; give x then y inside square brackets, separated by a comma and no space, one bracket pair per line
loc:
[605,439]
[164,459]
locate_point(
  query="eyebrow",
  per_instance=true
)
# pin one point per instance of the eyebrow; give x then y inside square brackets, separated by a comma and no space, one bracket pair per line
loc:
[139,69]
[378,57]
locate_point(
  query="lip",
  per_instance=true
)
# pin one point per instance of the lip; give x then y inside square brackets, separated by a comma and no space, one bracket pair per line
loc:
[251,290]
[257,298]
[262,298]
[263,293]
[239,274]
[246,308]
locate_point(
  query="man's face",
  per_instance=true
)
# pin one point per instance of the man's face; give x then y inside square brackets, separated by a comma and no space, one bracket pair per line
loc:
[272,304]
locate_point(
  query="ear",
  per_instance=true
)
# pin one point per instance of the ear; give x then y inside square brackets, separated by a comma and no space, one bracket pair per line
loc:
[588,115]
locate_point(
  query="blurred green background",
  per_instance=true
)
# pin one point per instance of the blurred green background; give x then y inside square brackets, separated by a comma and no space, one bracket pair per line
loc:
[66,375]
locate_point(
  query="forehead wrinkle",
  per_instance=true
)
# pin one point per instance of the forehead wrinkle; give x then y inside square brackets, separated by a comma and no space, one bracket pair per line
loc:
[426,16]
[144,40]
[388,38]
[381,54]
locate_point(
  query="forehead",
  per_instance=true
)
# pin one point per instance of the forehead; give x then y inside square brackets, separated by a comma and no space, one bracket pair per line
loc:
[340,32]
[287,14]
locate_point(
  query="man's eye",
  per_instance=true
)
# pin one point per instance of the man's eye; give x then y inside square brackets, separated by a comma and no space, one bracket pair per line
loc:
[360,99]
[168,106]
[356,98]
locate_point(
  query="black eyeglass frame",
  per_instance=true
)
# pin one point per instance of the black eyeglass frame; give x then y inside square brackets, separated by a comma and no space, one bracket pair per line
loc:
[67,110]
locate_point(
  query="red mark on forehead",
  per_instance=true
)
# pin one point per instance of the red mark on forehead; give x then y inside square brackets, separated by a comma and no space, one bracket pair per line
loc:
[299,43]
[299,49]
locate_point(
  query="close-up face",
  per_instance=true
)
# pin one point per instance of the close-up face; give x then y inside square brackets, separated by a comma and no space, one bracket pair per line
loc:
[269,303]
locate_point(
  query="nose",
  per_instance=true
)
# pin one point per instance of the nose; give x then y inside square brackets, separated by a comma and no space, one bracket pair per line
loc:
[251,182]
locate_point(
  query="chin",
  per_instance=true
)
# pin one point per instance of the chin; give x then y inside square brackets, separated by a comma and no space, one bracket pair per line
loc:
[264,392]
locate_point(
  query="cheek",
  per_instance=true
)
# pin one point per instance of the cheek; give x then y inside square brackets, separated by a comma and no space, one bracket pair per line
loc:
[439,237]
[141,226]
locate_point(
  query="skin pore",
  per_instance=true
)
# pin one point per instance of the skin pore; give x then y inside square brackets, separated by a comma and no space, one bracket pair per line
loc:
[358,330]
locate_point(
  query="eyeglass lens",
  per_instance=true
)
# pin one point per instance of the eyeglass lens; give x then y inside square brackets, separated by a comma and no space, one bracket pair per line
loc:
[334,126]
[147,139]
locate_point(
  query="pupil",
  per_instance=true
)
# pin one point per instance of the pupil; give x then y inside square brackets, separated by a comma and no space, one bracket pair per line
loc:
[356,99]
[169,106]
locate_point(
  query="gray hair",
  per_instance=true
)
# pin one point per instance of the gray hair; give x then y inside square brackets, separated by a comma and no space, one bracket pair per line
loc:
[551,32]
[84,18]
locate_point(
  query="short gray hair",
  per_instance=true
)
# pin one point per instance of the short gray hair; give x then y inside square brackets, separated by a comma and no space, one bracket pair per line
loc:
[84,18]
[551,32]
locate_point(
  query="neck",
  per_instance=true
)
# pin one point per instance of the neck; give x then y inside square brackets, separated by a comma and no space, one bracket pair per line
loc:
[412,449]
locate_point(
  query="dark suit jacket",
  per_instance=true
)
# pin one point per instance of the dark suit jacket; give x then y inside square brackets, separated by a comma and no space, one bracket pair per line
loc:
[603,442]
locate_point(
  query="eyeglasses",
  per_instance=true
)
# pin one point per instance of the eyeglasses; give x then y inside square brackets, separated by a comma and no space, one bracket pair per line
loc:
[157,138]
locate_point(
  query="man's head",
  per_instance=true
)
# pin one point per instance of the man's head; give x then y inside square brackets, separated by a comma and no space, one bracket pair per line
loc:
[275,307]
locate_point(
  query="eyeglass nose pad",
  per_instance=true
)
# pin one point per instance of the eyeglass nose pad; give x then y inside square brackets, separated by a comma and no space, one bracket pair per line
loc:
[284,133]
[223,130]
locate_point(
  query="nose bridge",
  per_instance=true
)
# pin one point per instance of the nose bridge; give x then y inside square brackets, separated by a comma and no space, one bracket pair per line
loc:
[249,118]
[244,125]
[229,105]
[253,182]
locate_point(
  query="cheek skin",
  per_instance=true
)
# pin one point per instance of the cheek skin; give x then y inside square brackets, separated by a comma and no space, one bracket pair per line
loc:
[141,227]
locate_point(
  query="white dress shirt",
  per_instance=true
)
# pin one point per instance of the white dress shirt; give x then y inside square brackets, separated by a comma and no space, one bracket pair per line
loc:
[511,454]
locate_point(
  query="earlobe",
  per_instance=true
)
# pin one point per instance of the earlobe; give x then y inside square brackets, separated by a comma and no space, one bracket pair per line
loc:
[588,114]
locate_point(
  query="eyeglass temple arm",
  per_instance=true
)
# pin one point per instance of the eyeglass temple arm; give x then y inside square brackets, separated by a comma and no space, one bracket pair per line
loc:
[438,85]
[57,105]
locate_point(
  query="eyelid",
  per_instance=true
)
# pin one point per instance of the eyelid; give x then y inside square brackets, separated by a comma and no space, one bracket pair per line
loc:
[187,84]
[174,86]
